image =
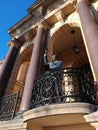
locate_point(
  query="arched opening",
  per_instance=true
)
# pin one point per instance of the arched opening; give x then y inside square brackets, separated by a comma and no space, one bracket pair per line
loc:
[67,44]
[74,83]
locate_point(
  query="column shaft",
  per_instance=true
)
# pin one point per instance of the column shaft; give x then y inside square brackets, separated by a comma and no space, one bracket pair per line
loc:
[90,34]
[33,70]
[7,68]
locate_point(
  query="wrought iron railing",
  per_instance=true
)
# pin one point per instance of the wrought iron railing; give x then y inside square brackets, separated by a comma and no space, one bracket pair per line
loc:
[62,86]
[8,106]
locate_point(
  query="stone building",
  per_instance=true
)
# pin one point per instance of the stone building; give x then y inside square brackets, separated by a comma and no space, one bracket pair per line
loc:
[32,98]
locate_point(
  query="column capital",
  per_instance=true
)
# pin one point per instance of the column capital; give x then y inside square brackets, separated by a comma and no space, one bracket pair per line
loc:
[44,24]
[28,37]
[14,42]
[89,2]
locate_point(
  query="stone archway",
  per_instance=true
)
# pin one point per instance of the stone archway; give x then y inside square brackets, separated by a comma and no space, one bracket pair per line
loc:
[67,44]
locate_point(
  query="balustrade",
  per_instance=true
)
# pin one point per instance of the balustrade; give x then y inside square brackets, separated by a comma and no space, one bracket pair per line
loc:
[62,86]
[8,106]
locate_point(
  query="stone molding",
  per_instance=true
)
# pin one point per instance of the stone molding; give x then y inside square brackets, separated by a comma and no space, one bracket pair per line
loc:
[60,16]
[93,117]
[15,124]
[38,15]
[14,42]
[35,16]
[68,108]
[28,37]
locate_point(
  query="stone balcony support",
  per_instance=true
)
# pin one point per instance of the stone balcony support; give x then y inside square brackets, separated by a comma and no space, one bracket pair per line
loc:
[7,66]
[33,69]
[90,34]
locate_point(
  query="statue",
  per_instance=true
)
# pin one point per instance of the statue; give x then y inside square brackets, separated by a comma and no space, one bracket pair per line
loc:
[52,65]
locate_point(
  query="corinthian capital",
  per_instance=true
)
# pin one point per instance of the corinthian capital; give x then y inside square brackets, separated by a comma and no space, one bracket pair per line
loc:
[89,2]
[28,37]
[14,42]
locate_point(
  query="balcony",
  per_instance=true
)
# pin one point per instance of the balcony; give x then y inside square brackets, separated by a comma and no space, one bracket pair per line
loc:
[8,106]
[61,98]
[68,85]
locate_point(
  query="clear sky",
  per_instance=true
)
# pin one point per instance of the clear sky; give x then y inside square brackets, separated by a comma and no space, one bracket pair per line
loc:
[11,11]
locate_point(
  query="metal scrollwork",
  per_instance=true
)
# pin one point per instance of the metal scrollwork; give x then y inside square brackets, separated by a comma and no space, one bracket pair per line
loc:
[62,86]
[8,106]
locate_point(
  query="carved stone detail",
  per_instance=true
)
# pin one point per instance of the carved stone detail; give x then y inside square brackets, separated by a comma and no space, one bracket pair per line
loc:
[28,37]
[60,16]
[54,5]
[36,15]
[38,12]
[31,21]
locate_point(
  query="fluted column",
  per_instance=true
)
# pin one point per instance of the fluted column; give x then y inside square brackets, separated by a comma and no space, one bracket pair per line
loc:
[90,34]
[7,66]
[32,70]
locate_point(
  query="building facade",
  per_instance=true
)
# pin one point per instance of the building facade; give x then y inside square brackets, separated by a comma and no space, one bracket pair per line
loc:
[34,97]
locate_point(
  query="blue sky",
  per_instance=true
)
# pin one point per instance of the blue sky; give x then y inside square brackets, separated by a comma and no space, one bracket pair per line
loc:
[11,11]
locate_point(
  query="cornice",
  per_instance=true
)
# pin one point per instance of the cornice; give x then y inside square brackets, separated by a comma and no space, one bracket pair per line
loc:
[19,23]
[38,13]
[30,14]
[35,5]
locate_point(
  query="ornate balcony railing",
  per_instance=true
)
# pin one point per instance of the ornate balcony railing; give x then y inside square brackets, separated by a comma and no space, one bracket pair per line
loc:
[62,86]
[8,106]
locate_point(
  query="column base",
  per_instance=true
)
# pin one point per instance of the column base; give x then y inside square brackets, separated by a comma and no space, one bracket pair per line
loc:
[20,114]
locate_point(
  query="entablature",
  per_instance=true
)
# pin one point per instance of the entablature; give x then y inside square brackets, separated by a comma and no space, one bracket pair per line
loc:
[43,12]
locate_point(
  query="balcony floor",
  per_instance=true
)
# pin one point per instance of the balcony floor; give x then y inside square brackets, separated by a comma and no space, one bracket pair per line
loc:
[58,115]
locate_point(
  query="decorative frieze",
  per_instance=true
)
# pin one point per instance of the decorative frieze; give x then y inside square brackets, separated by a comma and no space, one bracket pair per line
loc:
[37,13]
[28,37]
[24,26]
[54,5]
[34,16]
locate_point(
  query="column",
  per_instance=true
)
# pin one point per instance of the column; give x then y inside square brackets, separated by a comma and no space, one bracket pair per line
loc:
[7,66]
[32,70]
[90,34]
